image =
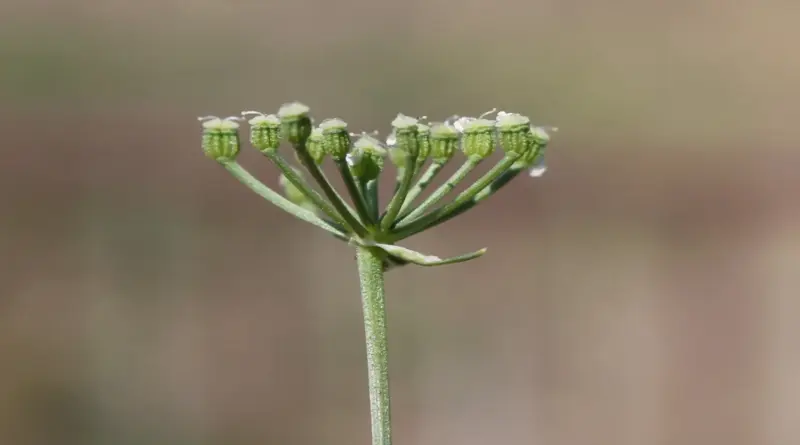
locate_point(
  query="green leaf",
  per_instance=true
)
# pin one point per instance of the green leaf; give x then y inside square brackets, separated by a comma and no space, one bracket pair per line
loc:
[421,259]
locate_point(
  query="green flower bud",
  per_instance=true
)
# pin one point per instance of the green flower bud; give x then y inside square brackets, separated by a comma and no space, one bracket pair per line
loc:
[405,131]
[540,137]
[366,158]
[514,130]
[294,194]
[398,156]
[336,140]
[533,158]
[444,142]
[528,158]
[478,141]
[314,145]
[424,141]
[295,122]
[220,138]
[264,131]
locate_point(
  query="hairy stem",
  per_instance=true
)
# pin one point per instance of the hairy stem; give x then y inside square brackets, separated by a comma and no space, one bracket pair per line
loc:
[370,271]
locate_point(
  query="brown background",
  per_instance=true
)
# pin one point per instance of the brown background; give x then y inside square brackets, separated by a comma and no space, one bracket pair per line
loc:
[644,291]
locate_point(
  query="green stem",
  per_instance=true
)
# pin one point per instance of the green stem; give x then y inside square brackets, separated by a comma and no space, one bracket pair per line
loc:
[274,197]
[355,194]
[304,187]
[444,189]
[338,203]
[423,223]
[490,190]
[338,227]
[393,209]
[398,180]
[419,187]
[370,271]
[371,195]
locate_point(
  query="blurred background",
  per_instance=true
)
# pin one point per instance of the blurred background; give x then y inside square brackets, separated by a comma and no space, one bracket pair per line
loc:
[644,291]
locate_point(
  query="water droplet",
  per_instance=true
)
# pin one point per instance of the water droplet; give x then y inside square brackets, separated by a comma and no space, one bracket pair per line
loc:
[461,122]
[391,140]
[537,170]
[353,158]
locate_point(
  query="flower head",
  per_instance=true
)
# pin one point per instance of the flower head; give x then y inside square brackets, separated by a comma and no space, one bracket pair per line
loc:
[264,131]
[360,159]
[314,145]
[295,122]
[444,142]
[405,131]
[533,158]
[220,137]
[478,140]
[424,142]
[366,159]
[336,139]
[514,131]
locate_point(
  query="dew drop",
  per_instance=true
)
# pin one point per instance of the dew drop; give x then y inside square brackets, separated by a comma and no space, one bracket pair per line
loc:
[537,170]
[391,140]
[353,158]
[461,122]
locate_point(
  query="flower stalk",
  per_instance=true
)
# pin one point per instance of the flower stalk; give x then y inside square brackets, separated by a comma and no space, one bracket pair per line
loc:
[373,301]
[374,233]
[407,141]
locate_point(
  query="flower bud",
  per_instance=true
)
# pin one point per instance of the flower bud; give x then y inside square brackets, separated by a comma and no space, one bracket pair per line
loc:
[514,132]
[405,130]
[478,139]
[295,122]
[264,131]
[424,142]
[220,138]
[444,142]
[294,194]
[366,158]
[314,145]
[533,158]
[398,156]
[335,139]
[540,137]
